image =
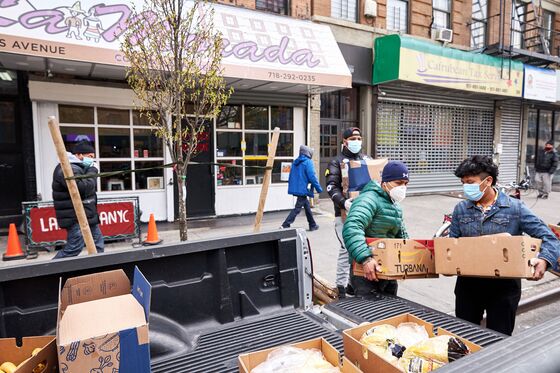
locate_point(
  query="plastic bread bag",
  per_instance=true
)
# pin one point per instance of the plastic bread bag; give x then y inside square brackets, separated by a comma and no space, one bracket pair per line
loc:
[379,336]
[415,364]
[410,333]
[295,360]
[432,353]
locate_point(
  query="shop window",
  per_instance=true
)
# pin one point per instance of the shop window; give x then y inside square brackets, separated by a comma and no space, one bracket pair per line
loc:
[8,82]
[441,14]
[113,116]
[114,143]
[75,114]
[147,144]
[72,135]
[122,144]
[345,9]
[257,143]
[282,117]
[251,126]
[229,175]
[151,179]
[254,172]
[228,144]
[479,23]
[141,118]
[116,182]
[281,171]
[397,16]
[256,117]
[274,6]
[230,117]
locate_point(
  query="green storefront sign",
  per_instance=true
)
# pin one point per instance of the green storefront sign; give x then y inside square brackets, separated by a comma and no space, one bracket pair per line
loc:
[414,60]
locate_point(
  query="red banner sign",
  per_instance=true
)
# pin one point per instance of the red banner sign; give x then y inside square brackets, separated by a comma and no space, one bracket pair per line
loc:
[116,218]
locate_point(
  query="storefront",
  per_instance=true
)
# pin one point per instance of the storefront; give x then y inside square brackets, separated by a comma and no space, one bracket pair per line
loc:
[273,63]
[437,106]
[542,115]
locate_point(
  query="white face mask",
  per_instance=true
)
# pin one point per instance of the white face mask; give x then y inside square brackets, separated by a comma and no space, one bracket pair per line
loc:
[398,194]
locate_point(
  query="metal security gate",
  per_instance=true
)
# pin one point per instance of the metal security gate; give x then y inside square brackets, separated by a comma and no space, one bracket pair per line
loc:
[432,133]
[510,133]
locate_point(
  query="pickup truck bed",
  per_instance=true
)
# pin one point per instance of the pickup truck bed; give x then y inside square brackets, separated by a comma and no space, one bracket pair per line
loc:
[212,300]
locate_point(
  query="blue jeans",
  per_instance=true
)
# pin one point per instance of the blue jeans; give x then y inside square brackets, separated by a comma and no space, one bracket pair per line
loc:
[75,241]
[301,202]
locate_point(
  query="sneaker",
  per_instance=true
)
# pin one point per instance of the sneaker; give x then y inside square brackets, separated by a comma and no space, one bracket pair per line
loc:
[350,290]
[540,195]
[284,227]
[545,196]
[341,292]
[313,228]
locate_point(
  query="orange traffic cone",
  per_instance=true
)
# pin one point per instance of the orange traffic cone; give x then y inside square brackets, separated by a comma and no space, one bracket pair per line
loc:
[14,247]
[153,237]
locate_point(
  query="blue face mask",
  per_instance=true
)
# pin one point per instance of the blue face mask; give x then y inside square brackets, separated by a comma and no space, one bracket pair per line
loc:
[355,146]
[87,161]
[472,192]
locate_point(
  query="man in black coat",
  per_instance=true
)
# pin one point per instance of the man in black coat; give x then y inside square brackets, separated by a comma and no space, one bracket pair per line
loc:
[82,164]
[546,165]
[351,151]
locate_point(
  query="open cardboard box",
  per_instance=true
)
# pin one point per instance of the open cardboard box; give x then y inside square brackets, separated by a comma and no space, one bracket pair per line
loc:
[486,256]
[48,357]
[348,367]
[103,323]
[368,361]
[249,361]
[401,259]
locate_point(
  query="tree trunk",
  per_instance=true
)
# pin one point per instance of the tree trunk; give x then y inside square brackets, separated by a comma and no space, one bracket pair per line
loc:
[181,183]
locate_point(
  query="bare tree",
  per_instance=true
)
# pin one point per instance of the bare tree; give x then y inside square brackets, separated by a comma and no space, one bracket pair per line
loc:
[174,55]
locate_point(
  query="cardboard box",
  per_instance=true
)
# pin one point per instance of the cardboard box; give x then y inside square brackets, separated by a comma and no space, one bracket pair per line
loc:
[368,361]
[356,174]
[48,357]
[348,367]
[249,361]
[486,256]
[401,259]
[103,324]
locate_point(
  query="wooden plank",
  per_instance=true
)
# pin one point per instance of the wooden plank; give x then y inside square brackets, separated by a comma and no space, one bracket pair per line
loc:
[72,186]
[267,177]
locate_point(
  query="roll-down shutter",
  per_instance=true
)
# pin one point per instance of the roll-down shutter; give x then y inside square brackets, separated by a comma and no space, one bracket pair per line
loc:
[432,132]
[510,138]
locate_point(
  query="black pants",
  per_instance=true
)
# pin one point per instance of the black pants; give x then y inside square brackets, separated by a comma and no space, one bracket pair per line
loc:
[498,297]
[362,286]
[301,202]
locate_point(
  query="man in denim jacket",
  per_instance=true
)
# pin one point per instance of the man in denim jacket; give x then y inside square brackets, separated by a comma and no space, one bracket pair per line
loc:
[488,211]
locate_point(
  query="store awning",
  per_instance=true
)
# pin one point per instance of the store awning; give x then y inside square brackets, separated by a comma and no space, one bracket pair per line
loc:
[262,51]
[414,60]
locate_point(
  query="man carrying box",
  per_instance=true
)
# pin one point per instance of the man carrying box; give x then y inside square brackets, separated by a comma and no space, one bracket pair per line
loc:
[488,211]
[376,213]
[351,151]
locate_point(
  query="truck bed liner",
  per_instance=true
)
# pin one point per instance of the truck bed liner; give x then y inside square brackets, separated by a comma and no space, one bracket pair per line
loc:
[217,351]
[379,307]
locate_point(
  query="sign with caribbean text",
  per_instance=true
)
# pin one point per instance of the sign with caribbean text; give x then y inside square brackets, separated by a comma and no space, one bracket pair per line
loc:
[119,218]
[418,61]
[257,45]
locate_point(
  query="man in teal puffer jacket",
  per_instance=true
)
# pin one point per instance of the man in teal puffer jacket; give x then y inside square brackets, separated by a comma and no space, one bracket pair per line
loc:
[376,213]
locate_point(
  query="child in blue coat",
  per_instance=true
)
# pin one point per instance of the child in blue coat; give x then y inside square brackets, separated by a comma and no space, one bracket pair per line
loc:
[301,183]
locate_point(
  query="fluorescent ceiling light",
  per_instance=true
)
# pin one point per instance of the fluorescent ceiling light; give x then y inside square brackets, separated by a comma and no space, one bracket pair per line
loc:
[4,75]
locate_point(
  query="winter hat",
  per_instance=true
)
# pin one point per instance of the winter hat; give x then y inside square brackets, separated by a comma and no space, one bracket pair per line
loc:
[394,170]
[306,150]
[550,142]
[349,132]
[83,147]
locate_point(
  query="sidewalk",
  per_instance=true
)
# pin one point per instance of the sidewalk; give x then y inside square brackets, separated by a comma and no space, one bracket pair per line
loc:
[423,216]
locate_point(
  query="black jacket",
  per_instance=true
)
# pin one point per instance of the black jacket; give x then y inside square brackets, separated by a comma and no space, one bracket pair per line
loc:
[547,161]
[333,178]
[65,213]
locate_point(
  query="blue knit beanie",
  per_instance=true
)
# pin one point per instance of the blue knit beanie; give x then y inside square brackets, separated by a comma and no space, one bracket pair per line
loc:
[394,170]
